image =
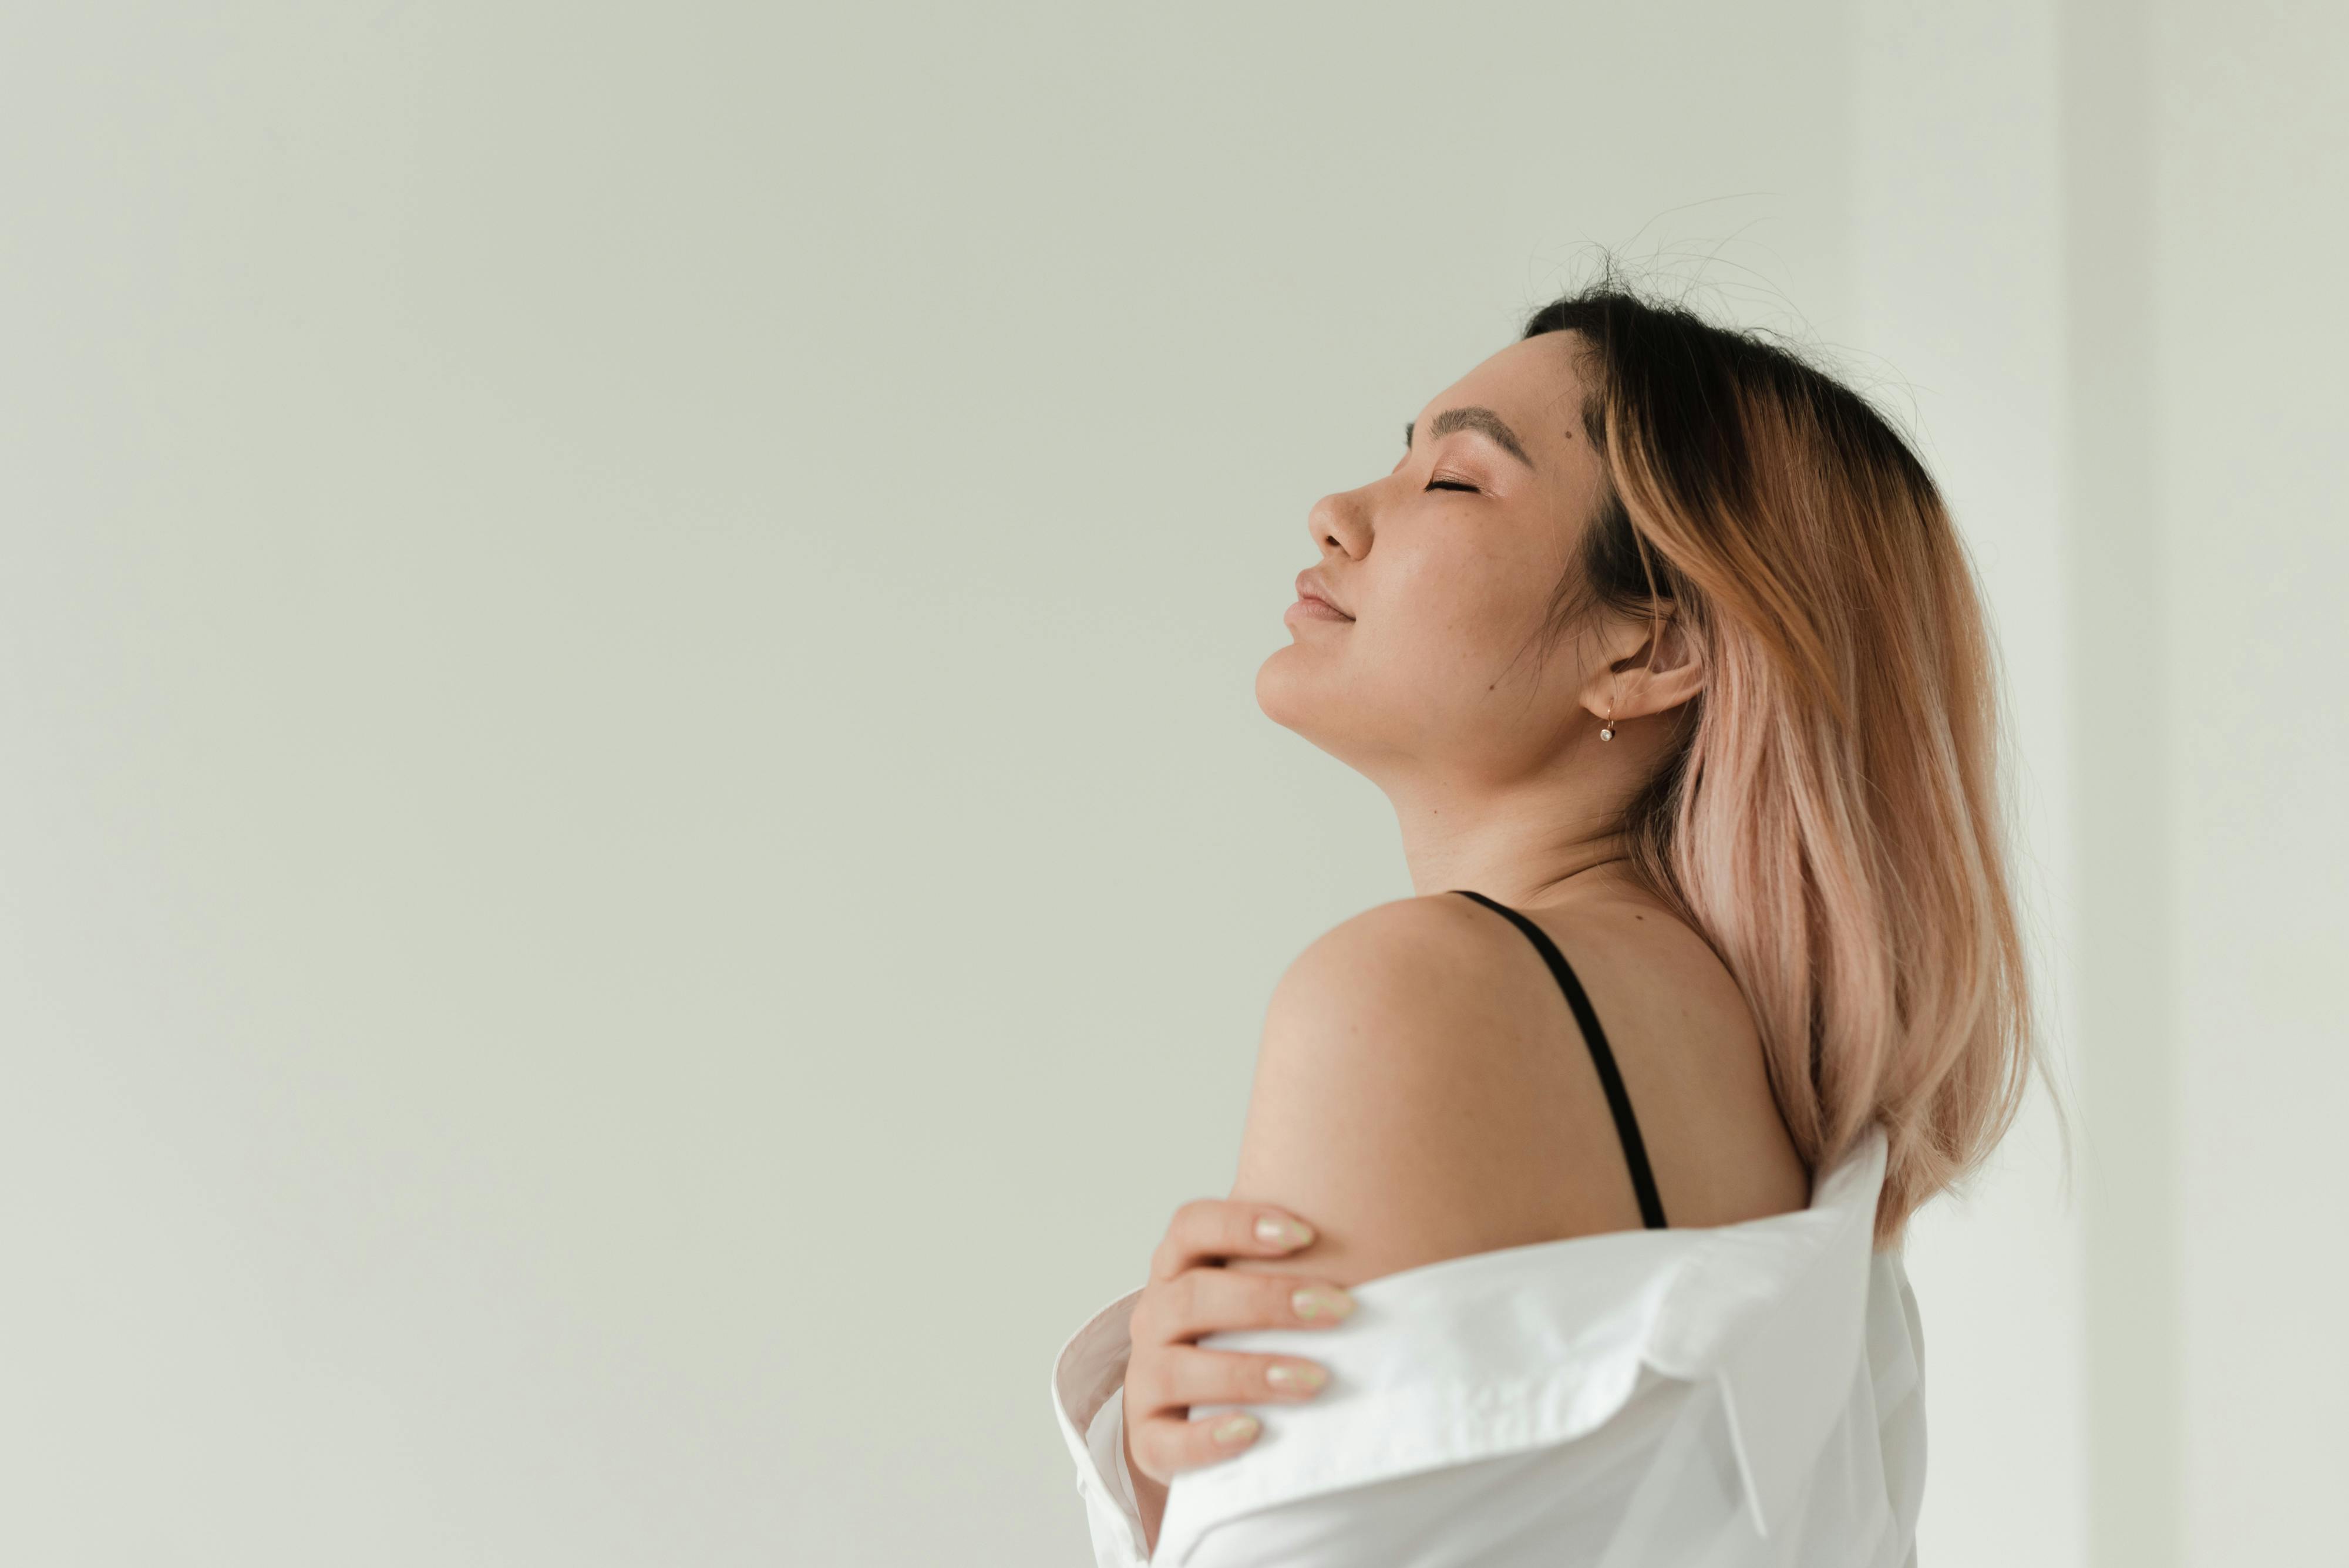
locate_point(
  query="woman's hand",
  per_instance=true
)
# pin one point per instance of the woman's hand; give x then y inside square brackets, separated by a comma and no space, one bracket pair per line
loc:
[1190,1294]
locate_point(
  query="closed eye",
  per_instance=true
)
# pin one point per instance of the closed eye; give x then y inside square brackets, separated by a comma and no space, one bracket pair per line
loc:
[1450,484]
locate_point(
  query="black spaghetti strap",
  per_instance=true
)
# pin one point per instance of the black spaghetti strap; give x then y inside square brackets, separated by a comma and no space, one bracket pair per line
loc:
[1627,1127]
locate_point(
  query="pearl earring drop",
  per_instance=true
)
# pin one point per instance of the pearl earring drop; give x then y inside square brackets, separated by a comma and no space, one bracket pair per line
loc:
[1607,731]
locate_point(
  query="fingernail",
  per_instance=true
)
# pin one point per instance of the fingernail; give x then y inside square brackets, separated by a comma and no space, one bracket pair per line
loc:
[1301,1375]
[1279,1231]
[1234,1430]
[1320,1301]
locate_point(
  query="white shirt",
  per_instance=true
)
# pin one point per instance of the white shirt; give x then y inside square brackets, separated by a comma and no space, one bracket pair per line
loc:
[1734,1394]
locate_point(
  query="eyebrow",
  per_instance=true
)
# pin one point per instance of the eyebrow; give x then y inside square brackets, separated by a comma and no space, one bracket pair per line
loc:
[1484,421]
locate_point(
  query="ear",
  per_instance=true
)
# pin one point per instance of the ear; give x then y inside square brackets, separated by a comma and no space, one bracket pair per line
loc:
[1651,668]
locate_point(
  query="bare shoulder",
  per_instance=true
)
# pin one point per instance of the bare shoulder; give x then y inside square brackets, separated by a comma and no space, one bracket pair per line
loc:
[1383,979]
[1422,1091]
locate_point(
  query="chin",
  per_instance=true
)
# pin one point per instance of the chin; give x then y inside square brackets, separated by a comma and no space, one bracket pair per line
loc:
[1327,708]
[1277,684]
[1302,694]
[1283,687]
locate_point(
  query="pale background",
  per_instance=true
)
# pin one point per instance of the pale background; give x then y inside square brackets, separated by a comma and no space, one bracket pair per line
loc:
[636,857]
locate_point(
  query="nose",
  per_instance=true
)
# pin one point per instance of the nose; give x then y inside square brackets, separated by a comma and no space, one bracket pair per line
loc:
[1340,519]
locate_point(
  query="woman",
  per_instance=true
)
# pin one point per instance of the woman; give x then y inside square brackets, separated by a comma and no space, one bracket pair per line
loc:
[1594,1157]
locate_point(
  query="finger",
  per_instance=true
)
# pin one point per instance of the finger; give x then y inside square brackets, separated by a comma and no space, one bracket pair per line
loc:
[1164,1446]
[1181,1376]
[1204,1300]
[1207,1229]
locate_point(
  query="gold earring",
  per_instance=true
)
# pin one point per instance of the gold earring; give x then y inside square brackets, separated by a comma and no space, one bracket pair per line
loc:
[1607,731]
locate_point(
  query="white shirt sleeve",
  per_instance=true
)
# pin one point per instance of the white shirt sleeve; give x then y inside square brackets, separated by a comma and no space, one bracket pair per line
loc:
[1896,1353]
[1088,1383]
[1748,1396]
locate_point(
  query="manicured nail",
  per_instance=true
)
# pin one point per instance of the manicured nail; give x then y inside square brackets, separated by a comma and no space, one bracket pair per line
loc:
[1301,1375]
[1320,1301]
[1279,1231]
[1234,1430]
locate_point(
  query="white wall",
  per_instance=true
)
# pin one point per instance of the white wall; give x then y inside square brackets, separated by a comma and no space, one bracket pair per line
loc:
[2125,954]
[1959,229]
[635,859]
[2250,139]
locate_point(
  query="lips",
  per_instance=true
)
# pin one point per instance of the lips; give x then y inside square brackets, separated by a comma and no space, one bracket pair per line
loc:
[1311,585]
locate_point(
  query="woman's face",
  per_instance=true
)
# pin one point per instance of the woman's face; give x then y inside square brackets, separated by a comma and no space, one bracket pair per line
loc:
[1444,571]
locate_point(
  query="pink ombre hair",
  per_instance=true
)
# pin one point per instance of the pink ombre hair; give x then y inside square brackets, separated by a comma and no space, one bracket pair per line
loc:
[1831,817]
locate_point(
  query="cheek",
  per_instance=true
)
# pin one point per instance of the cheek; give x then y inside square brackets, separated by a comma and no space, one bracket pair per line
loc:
[1459,613]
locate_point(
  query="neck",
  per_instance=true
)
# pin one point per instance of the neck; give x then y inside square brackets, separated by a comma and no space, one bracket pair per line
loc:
[1523,843]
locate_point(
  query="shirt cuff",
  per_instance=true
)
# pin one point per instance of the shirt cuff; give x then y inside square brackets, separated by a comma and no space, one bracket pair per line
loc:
[1088,1379]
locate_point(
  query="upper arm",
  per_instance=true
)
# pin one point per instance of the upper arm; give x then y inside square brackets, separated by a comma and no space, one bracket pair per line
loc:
[1418,1096]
